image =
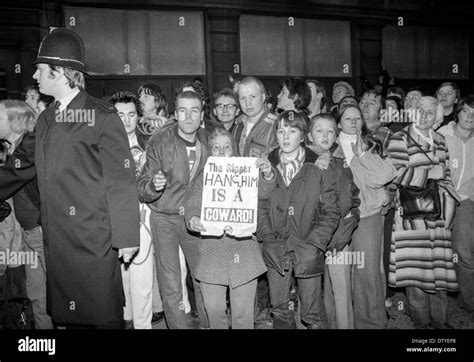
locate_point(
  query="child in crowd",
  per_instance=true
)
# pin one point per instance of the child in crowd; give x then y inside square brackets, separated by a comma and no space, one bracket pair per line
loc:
[296,222]
[337,277]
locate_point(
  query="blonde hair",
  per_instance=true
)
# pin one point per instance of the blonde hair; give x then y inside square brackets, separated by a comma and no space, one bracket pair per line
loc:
[21,116]
[74,77]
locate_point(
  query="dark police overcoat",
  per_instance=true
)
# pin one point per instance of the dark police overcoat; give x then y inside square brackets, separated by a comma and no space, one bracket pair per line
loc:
[89,209]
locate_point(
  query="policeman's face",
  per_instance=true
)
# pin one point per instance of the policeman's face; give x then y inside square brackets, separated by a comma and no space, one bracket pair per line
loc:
[47,81]
[128,114]
[189,115]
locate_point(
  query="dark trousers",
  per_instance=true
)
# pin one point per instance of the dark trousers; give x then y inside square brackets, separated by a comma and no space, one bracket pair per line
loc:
[282,311]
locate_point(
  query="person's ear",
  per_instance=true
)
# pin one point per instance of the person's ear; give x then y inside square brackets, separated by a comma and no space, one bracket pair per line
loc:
[202,115]
[176,115]
[59,72]
[214,112]
[310,137]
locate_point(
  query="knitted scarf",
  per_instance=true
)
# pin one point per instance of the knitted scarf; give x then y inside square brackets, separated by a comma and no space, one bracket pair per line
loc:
[289,168]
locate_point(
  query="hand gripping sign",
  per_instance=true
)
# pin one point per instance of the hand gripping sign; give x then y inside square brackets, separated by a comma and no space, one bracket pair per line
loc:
[230,196]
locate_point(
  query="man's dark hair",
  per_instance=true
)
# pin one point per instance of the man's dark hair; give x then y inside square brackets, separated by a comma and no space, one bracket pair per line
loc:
[398,91]
[298,91]
[198,86]
[452,85]
[418,88]
[31,87]
[376,94]
[469,101]
[125,97]
[160,98]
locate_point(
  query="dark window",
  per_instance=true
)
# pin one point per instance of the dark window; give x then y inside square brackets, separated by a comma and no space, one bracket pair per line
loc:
[140,42]
[276,46]
[425,53]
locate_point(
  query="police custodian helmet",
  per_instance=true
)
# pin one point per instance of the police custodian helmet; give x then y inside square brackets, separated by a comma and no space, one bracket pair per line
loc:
[62,47]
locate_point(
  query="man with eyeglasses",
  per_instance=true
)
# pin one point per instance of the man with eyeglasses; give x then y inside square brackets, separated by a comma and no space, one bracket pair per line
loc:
[226,108]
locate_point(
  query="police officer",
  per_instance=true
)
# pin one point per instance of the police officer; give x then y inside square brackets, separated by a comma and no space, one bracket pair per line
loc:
[89,200]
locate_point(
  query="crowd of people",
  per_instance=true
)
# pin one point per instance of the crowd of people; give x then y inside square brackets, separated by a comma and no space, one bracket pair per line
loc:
[112,207]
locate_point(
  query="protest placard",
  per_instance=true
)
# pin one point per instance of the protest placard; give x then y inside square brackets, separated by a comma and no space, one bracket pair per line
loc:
[230,196]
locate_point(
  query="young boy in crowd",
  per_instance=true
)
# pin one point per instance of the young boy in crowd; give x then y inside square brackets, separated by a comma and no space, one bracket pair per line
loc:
[337,277]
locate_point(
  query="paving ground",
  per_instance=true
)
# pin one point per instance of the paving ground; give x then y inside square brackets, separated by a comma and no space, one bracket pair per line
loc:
[458,318]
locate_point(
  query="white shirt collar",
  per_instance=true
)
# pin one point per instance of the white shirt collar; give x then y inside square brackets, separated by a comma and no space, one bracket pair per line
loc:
[133,140]
[66,100]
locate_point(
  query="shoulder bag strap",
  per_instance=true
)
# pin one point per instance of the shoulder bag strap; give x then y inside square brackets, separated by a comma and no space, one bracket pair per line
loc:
[416,143]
